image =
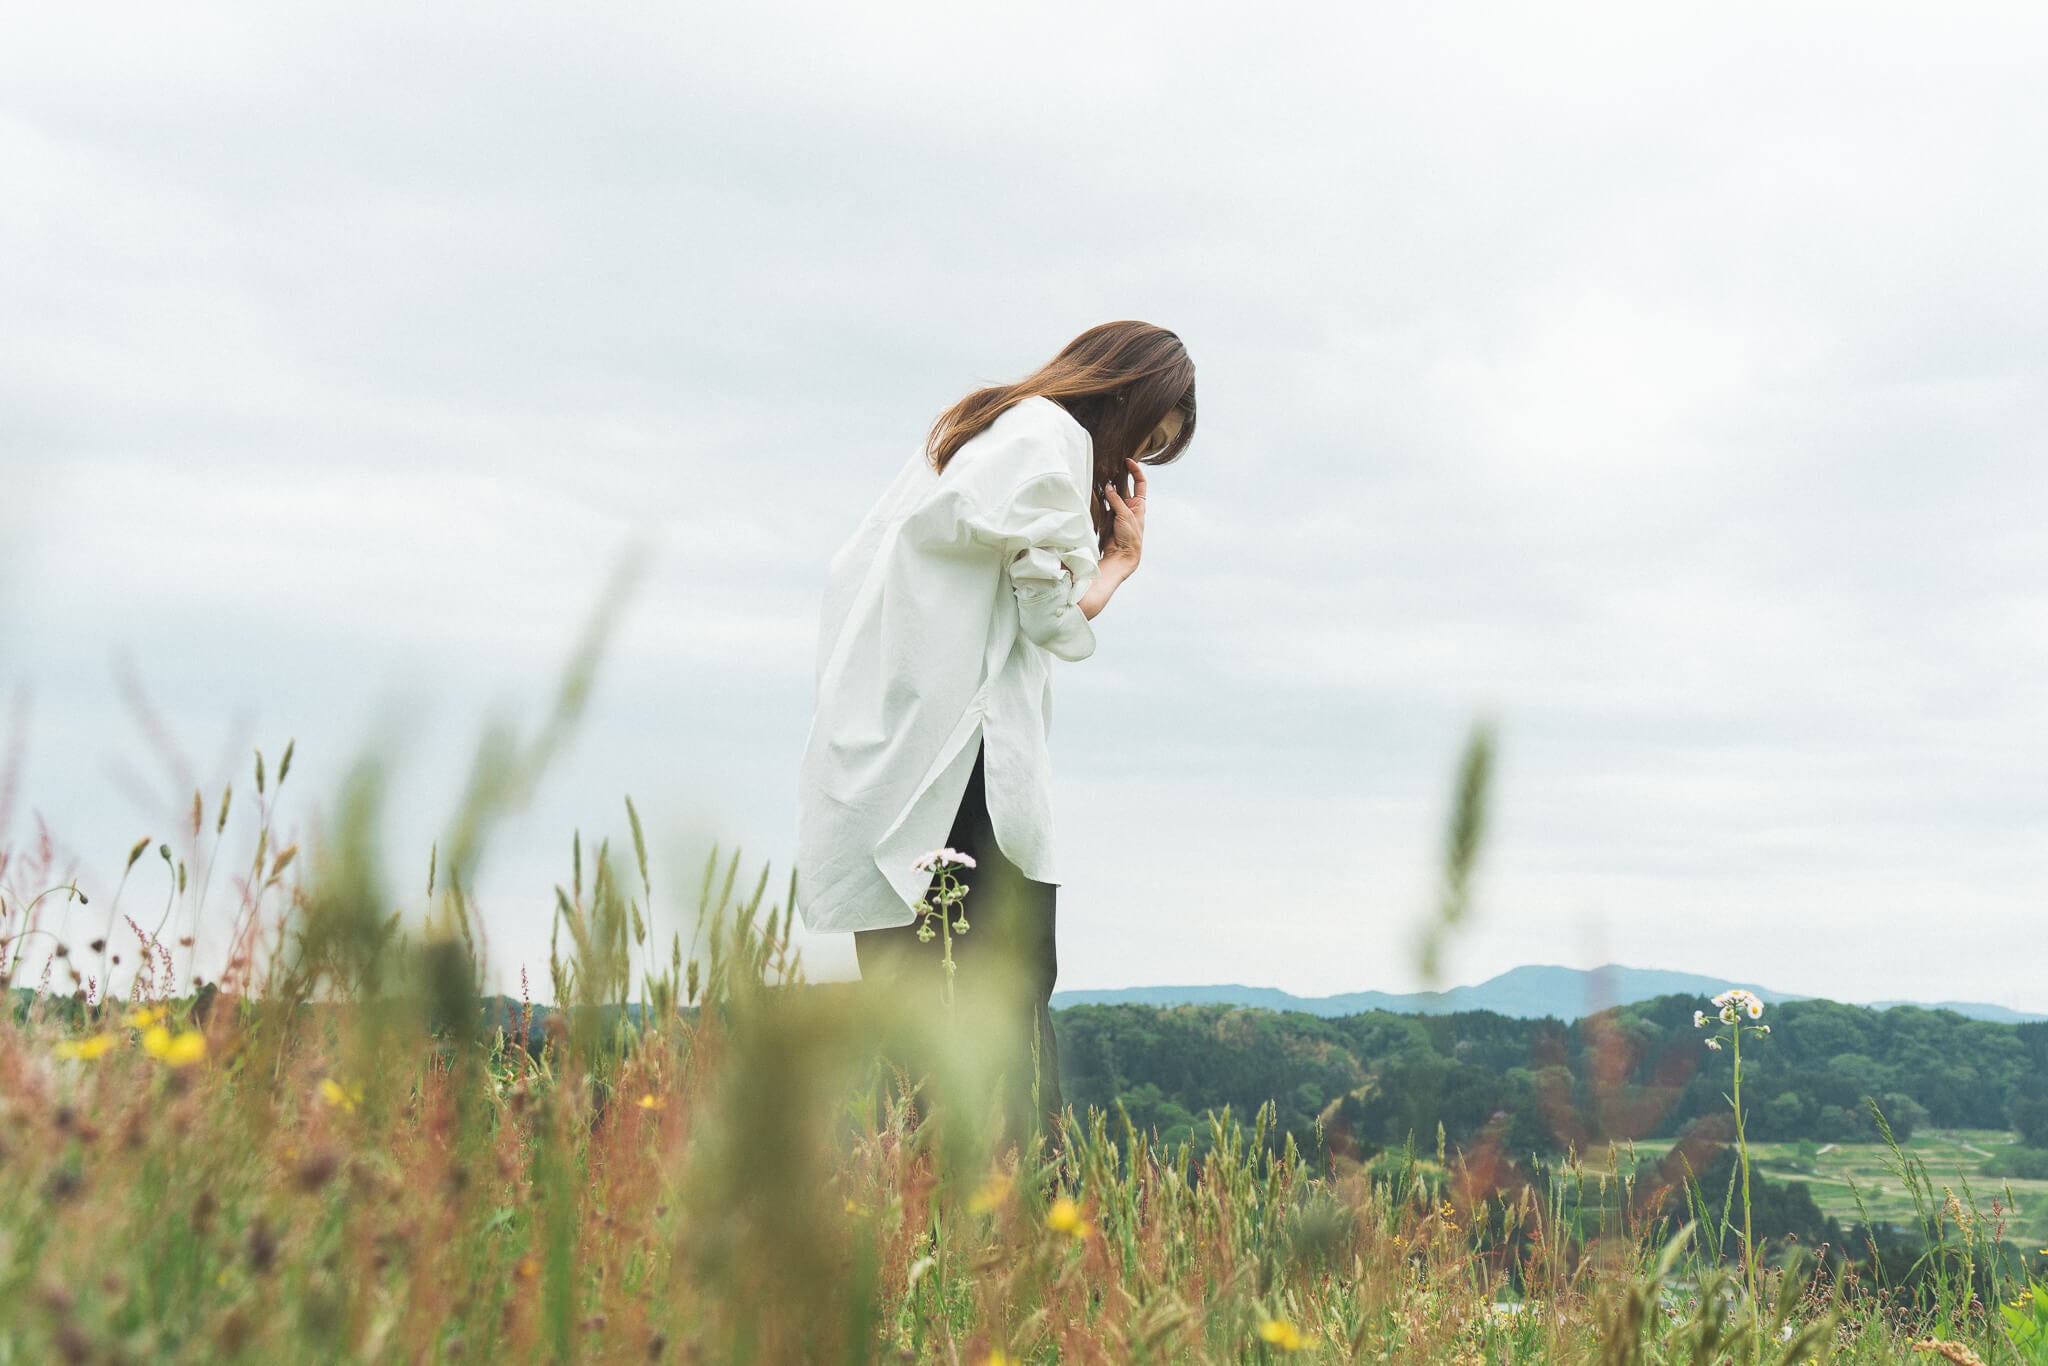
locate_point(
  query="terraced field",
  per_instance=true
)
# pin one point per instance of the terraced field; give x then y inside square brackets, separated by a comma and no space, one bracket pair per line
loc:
[1955,1158]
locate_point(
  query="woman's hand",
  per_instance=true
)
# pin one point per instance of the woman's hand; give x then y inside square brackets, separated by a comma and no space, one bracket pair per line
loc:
[1127,542]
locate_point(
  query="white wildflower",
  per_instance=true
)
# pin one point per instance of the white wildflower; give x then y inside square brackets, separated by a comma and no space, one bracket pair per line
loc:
[1736,1002]
[1699,1019]
[1714,1044]
[926,862]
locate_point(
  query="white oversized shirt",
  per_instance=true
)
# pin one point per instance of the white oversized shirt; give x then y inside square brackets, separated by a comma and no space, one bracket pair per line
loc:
[942,614]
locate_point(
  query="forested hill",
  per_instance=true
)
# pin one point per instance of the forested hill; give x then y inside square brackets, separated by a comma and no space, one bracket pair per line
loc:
[1530,992]
[1636,1071]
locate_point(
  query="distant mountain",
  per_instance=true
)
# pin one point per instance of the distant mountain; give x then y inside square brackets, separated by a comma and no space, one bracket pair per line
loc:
[1976,1010]
[1525,993]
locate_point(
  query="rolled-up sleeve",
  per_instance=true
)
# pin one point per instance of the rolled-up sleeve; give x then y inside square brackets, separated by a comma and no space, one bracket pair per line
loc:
[1051,562]
[1046,539]
[1049,587]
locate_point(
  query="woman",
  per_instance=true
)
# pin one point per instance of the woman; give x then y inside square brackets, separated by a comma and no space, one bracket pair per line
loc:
[997,544]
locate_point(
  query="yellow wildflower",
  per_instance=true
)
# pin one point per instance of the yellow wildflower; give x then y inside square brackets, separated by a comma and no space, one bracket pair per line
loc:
[344,1097]
[86,1050]
[999,1358]
[174,1050]
[990,1194]
[1282,1334]
[1065,1217]
[144,1018]
[651,1101]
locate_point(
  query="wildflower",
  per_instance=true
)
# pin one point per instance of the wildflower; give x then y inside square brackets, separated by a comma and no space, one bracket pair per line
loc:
[86,1050]
[651,1102]
[990,1194]
[342,1097]
[174,1050]
[144,1018]
[999,1358]
[926,862]
[1065,1217]
[1714,1044]
[855,1208]
[1735,1002]
[1699,1019]
[1282,1334]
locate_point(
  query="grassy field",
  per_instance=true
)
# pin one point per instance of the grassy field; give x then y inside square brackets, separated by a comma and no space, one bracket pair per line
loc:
[335,1154]
[1837,1173]
[311,1175]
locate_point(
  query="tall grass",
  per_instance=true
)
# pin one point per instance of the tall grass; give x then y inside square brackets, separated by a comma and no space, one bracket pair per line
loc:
[339,1151]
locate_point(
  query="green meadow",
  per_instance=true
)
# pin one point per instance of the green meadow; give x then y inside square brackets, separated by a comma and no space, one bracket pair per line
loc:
[1852,1182]
[338,1150]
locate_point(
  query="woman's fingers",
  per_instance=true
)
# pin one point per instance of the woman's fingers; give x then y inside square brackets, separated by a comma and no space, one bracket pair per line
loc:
[1130,522]
[1137,499]
[1134,517]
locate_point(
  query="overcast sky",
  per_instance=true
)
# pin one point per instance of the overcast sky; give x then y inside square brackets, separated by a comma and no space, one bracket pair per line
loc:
[1667,386]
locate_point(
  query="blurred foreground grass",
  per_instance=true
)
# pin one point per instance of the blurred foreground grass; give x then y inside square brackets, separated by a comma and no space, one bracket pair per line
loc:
[339,1151]
[388,1177]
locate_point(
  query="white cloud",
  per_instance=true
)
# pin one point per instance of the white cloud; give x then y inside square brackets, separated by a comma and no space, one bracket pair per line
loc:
[1665,385]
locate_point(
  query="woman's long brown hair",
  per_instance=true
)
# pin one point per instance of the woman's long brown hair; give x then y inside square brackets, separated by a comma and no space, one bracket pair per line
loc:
[1118,380]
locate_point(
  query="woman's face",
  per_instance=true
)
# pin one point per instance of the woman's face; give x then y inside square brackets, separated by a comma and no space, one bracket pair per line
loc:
[1162,436]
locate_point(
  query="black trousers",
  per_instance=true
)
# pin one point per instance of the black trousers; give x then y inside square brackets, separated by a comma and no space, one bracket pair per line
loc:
[1004,964]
